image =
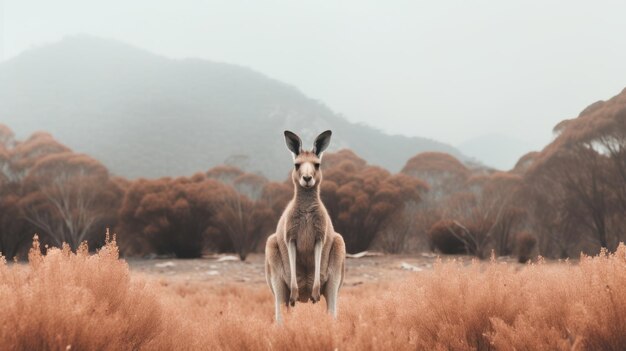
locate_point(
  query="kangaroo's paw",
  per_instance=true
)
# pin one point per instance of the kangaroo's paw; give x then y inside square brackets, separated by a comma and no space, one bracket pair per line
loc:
[315,294]
[293,297]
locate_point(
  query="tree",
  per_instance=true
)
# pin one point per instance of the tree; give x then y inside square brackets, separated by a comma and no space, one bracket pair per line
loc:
[7,142]
[245,208]
[245,221]
[248,184]
[443,173]
[486,213]
[558,233]
[169,216]
[362,199]
[501,196]
[185,216]
[578,175]
[525,162]
[15,232]
[401,233]
[445,176]
[224,173]
[25,155]
[601,127]
[584,172]
[19,163]
[277,195]
[69,198]
[468,216]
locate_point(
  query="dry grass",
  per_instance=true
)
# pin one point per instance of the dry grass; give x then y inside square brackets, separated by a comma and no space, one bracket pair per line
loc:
[91,302]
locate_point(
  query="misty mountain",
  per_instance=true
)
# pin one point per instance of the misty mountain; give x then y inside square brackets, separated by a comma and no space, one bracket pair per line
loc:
[144,115]
[498,151]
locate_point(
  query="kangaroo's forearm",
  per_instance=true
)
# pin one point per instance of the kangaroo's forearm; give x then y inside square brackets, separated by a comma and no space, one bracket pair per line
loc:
[291,252]
[318,262]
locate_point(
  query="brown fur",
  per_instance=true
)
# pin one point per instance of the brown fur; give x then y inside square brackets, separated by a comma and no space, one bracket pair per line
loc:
[305,221]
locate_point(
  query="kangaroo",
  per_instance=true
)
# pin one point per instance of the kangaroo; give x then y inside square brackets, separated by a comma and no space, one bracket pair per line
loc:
[305,257]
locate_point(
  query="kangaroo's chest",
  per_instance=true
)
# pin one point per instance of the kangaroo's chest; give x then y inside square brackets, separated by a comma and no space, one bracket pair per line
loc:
[306,228]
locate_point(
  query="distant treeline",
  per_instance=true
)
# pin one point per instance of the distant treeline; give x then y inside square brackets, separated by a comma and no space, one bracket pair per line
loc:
[568,198]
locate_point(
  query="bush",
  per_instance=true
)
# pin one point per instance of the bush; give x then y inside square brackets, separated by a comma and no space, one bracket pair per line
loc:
[72,300]
[187,216]
[171,216]
[525,244]
[446,237]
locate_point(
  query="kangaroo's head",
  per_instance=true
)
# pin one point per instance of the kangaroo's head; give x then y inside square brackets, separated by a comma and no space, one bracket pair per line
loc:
[306,172]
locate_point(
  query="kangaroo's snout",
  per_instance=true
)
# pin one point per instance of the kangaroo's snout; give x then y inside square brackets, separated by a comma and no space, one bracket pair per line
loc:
[308,180]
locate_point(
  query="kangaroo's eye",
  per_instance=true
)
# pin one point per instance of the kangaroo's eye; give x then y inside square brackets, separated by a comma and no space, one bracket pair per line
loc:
[297,166]
[317,166]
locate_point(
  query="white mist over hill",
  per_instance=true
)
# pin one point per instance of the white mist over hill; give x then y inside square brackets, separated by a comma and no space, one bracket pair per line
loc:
[144,115]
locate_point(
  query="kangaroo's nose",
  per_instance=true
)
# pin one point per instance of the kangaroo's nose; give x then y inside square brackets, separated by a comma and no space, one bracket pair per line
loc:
[307,178]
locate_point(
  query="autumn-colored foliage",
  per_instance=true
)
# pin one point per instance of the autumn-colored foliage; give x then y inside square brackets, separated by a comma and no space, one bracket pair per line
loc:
[245,221]
[576,186]
[447,237]
[67,300]
[168,216]
[525,162]
[501,199]
[443,173]
[66,197]
[45,188]
[445,176]
[571,196]
[69,198]
[276,196]
[362,199]
[225,209]
[482,217]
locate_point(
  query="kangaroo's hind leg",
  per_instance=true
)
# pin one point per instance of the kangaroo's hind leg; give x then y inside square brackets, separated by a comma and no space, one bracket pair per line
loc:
[336,271]
[274,275]
[281,294]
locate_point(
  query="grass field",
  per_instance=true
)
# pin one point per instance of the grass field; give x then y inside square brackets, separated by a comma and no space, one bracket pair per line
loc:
[79,301]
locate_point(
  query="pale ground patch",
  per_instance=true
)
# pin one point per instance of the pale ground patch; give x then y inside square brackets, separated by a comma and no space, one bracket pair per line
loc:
[223,269]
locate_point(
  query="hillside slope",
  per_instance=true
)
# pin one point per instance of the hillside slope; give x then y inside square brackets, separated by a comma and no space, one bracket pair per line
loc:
[148,116]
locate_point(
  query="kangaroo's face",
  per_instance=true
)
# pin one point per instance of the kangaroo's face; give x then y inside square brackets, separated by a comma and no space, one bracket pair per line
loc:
[306,171]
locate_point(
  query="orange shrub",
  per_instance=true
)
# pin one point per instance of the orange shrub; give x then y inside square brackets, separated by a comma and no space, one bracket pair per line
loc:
[66,299]
[446,237]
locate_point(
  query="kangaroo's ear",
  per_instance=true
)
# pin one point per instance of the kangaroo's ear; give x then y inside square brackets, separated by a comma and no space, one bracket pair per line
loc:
[321,143]
[294,144]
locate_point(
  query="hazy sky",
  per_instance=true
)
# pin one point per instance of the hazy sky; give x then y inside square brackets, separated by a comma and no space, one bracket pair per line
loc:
[447,70]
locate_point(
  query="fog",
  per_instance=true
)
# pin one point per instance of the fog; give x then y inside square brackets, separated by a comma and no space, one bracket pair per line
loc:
[451,71]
